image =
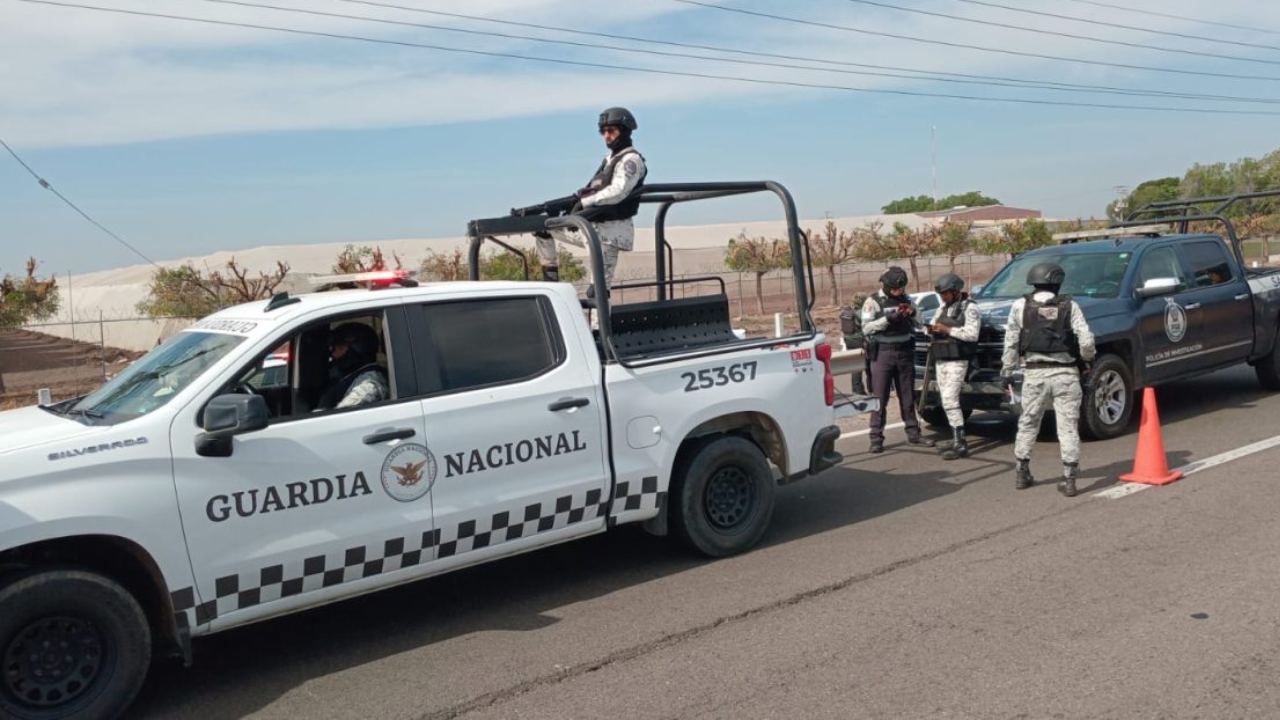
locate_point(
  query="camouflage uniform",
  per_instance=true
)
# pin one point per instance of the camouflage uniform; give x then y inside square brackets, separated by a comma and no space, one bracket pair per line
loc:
[369,387]
[1050,377]
[615,235]
[951,374]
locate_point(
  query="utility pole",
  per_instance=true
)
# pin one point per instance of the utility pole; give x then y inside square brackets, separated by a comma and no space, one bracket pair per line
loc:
[933,161]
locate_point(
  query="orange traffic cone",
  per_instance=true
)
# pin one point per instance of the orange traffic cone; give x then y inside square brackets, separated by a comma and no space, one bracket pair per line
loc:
[1149,464]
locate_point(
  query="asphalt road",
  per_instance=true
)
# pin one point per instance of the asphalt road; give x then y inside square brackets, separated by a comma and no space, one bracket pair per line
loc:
[894,586]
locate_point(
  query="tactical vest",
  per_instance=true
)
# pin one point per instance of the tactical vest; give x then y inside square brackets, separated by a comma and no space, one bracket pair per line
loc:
[628,206]
[949,348]
[1046,327]
[899,330]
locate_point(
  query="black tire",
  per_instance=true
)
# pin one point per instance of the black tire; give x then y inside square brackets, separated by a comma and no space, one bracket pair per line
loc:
[1268,369]
[91,642]
[1109,399]
[723,494]
[935,416]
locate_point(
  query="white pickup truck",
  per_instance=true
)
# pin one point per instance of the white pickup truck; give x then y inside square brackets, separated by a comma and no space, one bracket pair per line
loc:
[202,488]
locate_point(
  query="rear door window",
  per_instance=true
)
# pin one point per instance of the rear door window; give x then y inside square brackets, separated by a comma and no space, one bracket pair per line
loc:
[469,344]
[1207,263]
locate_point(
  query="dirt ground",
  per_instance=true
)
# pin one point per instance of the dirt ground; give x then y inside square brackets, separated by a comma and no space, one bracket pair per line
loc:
[30,361]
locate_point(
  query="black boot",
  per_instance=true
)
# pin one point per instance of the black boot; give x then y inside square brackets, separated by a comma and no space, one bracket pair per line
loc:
[919,441]
[959,447]
[551,273]
[1024,475]
[877,445]
[858,387]
[1067,485]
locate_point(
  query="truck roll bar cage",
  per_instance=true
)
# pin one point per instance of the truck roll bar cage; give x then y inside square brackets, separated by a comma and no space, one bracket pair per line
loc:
[1186,211]
[665,196]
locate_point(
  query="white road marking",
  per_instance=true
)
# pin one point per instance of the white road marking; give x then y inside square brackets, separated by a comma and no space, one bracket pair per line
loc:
[856,433]
[1124,489]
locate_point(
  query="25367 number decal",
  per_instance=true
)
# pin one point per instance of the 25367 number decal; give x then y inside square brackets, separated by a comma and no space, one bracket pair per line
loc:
[713,377]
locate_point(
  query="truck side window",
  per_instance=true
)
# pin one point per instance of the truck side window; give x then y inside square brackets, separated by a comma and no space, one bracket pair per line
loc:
[334,365]
[1207,262]
[478,343]
[1160,263]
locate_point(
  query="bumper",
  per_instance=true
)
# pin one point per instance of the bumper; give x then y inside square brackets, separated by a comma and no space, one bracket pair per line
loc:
[978,394]
[823,455]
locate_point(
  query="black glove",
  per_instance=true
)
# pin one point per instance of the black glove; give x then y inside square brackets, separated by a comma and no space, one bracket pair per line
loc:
[892,313]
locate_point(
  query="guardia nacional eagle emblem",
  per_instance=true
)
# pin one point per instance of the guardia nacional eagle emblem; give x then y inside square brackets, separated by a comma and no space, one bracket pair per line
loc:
[408,472]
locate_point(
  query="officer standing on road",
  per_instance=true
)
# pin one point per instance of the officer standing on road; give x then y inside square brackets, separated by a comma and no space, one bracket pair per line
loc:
[955,338]
[609,200]
[888,320]
[1048,335]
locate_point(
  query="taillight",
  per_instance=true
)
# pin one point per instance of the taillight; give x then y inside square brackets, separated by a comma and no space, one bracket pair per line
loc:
[828,380]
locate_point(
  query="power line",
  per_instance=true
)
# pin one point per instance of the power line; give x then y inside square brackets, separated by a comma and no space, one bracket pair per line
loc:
[47,186]
[1059,33]
[1018,84]
[1103,23]
[645,70]
[981,48]
[1171,16]
[998,80]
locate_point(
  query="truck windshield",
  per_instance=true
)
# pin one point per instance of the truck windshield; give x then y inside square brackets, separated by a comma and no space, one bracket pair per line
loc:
[1095,275]
[155,378]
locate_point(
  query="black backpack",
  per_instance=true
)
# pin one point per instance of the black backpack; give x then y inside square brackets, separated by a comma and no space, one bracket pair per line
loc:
[851,327]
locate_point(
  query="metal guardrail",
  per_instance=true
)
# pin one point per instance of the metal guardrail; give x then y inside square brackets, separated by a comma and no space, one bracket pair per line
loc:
[846,362]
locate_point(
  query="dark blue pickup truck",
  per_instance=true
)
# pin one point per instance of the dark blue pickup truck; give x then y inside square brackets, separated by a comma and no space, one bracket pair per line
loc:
[1161,306]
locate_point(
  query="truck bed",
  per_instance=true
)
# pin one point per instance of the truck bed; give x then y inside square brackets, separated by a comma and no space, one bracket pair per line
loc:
[647,329]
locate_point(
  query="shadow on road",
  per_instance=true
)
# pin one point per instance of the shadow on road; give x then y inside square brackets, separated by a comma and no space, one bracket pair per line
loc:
[242,671]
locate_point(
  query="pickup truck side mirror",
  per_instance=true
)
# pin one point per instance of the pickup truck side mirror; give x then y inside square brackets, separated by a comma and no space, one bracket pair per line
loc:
[1157,286]
[228,415]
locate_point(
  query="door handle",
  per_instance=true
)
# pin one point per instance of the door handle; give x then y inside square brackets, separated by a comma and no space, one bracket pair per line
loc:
[568,404]
[1242,296]
[389,434]
[1193,306]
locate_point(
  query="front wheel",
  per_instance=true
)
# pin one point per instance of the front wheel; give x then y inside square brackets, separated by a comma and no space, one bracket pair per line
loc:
[723,499]
[74,645]
[1108,399]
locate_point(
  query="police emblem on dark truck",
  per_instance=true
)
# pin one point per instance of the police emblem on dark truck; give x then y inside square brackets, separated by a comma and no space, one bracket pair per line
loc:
[1163,305]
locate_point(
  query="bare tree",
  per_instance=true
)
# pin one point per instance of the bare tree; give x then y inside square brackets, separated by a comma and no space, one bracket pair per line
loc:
[954,240]
[445,266]
[757,255]
[830,248]
[185,291]
[25,299]
[354,259]
[914,244]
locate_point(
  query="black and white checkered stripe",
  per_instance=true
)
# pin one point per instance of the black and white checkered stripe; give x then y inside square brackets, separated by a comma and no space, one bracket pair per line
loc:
[630,498]
[244,590]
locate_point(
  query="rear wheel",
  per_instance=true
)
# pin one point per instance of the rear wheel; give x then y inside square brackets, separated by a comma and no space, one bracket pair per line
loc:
[723,497]
[1268,369]
[1108,399]
[74,645]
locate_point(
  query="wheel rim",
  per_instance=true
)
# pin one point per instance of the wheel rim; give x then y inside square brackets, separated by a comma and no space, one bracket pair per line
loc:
[1110,397]
[52,661]
[729,497]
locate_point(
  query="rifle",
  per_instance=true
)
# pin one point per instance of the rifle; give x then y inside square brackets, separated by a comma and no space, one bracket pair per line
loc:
[552,208]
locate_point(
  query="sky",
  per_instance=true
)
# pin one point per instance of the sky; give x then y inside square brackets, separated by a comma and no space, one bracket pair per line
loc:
[186,138]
